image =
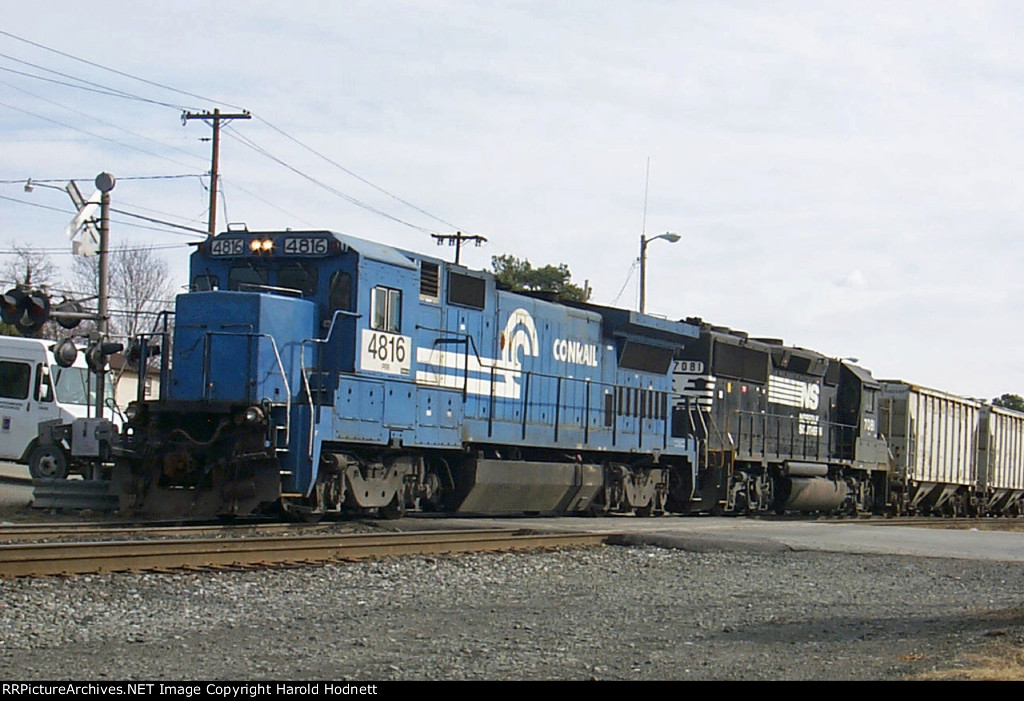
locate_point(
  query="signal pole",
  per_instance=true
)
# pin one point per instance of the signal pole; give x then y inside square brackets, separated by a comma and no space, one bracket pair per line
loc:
[104,183]
[215,118]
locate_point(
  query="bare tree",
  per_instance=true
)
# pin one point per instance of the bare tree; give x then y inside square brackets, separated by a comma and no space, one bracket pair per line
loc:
[139,287]
[31,269]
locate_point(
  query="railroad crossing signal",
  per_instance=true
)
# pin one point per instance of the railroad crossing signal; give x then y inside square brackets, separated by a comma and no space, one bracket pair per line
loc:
[89,243]
[25,310]
[29,310]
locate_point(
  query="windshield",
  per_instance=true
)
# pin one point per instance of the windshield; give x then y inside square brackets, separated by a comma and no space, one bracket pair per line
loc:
[76,386]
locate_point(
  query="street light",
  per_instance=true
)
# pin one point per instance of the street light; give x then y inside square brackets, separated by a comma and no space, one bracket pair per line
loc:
[668,236]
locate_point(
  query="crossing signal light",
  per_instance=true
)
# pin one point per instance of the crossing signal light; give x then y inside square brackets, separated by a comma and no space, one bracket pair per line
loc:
[97,353]
[27,311]
[65,353]
[63,313]
[10,306]
[136,349]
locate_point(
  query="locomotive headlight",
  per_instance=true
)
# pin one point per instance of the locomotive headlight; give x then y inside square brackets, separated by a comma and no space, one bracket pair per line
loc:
[254,415]
[267,245]
[254,245]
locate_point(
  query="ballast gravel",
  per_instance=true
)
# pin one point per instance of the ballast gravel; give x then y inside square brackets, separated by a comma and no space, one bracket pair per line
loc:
[610,612]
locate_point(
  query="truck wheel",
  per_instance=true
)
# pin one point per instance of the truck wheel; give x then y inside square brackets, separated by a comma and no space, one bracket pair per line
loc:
[48,462]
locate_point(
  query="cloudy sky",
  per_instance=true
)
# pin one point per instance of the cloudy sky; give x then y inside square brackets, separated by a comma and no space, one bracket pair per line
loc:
[844,175]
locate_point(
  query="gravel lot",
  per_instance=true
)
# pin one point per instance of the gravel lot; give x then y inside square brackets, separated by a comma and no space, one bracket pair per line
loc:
[633,613]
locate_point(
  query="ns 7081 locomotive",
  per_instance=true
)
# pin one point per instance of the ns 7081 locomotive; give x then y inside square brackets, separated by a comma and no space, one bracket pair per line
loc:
[317,373]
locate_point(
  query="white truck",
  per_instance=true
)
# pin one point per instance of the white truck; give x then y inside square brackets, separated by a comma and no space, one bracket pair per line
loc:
[33,389]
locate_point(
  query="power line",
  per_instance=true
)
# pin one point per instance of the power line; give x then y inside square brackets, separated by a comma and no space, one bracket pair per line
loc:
[629,275]
[36,204]
[158,221]
[113,70]
[119,211]
[97,88]
[19,181]
[355,175]
[265,201]
[101,121]
[90,134]
[120,93]
[319,183]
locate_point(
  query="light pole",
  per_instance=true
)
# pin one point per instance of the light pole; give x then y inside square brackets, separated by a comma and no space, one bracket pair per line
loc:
[668,236]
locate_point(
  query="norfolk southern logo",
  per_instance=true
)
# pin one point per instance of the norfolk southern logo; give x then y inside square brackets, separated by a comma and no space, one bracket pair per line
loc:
[794,393]
[799,395]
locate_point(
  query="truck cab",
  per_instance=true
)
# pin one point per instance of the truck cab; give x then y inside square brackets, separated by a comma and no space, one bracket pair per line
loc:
[34,389]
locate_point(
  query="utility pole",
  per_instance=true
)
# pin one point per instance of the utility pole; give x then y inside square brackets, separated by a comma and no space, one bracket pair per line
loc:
[214,119]
[456,240]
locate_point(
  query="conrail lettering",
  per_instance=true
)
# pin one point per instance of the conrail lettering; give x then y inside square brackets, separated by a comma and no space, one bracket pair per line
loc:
[575,352]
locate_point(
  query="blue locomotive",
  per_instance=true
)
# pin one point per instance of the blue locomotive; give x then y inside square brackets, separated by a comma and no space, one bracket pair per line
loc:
[316,372]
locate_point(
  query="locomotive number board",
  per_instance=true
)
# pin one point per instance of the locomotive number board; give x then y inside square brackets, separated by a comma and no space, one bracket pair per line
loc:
[224,246]
[304,246]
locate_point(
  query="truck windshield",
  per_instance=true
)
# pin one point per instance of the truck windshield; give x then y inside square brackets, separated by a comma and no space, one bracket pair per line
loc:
[76,386]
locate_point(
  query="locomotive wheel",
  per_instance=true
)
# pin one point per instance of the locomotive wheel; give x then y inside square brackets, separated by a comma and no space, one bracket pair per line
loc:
[394,510]
[48,462]
[309,510]
[644,511]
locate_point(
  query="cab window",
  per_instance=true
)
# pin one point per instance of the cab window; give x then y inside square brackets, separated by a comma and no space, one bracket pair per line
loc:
[386,309]
[244,277]
[43,390]
[14,379]
[205,283]
[339,295]
[298,277]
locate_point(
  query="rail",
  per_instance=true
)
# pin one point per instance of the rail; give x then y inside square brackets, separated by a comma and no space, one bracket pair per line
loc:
[48,559]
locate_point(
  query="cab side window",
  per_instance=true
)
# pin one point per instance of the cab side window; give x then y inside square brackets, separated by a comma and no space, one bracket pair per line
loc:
[386,309]
[44,390]
[14,379]
[339,293]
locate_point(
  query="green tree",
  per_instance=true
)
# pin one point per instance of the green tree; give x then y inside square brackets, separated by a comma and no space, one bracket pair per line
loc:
[1010,401]
[520,275]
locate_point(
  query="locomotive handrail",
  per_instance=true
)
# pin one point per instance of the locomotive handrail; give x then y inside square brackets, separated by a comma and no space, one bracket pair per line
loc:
[280,366]
[792,422]
[305,384]
[468,341]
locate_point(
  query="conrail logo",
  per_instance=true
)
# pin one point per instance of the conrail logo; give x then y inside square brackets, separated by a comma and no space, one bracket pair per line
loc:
[575,352]
[520,334]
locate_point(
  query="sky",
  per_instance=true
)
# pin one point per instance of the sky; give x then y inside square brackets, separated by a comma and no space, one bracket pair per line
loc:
[845,176]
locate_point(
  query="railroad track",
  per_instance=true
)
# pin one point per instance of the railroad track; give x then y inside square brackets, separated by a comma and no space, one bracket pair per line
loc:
[47,559]
[12,533]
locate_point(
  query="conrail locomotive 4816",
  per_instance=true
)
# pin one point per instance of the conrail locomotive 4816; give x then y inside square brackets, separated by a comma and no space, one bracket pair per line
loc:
[317,373]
